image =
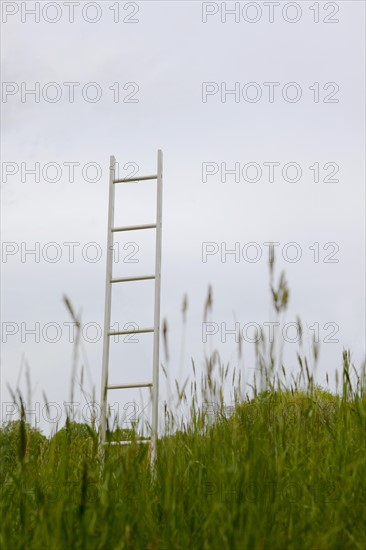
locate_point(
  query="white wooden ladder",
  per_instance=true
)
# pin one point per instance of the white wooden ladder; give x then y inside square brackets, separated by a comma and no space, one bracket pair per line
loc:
[154,384]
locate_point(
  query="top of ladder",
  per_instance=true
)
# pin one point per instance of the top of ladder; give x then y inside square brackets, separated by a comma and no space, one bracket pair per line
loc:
[137,178]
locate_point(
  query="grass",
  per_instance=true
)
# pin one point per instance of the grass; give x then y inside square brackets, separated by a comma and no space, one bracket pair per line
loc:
[285,470]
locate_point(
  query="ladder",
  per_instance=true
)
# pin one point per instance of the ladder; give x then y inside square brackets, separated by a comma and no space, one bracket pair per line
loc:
[107,334]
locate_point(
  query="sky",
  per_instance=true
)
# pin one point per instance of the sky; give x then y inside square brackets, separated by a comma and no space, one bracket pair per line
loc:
[260,116]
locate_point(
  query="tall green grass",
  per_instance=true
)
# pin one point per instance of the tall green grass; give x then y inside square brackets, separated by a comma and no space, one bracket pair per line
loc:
[284,470]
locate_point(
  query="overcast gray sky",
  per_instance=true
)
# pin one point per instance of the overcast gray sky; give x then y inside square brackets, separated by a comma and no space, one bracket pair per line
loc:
[274,91]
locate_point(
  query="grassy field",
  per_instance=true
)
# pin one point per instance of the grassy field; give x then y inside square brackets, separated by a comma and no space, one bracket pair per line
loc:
[285,470]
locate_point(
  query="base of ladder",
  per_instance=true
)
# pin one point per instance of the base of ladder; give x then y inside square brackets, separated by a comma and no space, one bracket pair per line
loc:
[127,442]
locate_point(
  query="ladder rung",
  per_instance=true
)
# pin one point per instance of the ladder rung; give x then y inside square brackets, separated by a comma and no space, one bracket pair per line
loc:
[128,386]
[134,227]
[127,279]
[136,331]
[137,178]
[128,441]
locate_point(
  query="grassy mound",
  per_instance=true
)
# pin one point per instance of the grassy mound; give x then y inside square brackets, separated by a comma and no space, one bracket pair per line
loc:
[285,470]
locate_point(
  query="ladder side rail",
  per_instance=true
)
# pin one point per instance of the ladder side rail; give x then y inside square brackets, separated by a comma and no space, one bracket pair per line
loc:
[155,389]
[107,306]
